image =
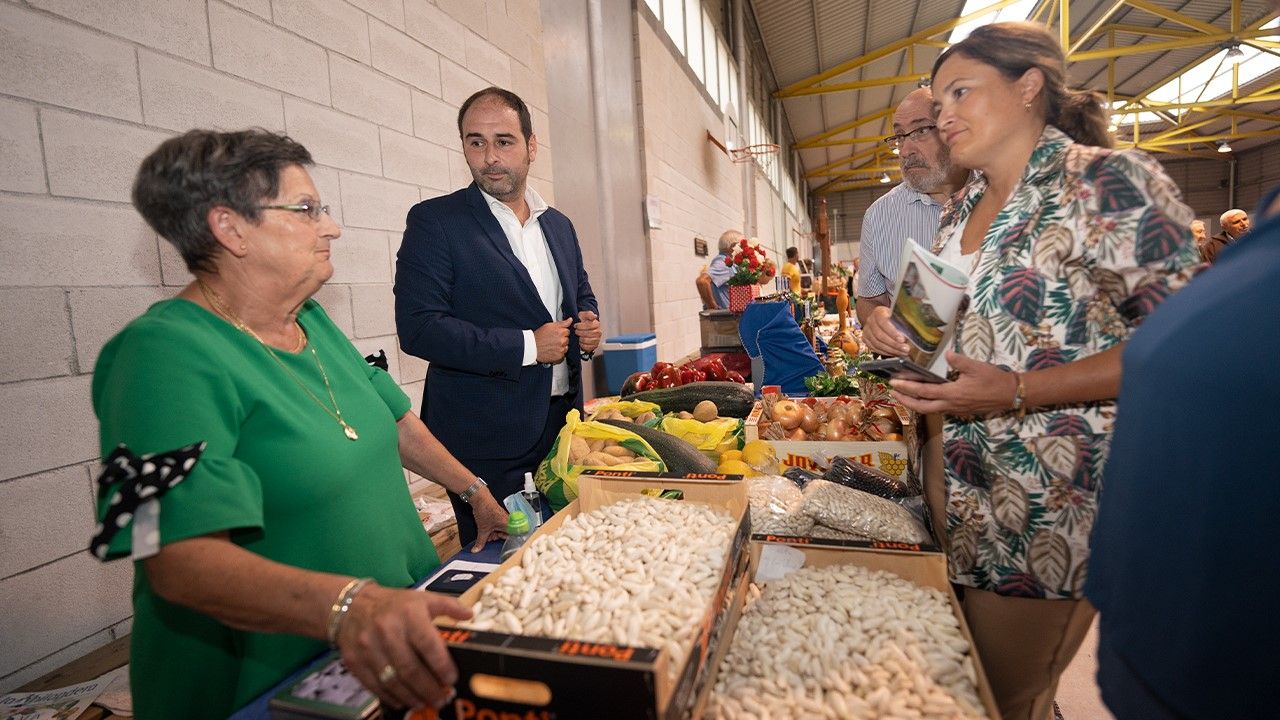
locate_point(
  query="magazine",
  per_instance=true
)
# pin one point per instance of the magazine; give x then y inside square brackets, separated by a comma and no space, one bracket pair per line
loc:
[928,297]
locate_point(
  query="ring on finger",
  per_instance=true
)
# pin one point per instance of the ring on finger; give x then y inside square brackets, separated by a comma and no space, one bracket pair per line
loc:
[386,674]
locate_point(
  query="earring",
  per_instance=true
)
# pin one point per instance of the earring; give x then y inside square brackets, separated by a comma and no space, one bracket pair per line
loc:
[1026,105]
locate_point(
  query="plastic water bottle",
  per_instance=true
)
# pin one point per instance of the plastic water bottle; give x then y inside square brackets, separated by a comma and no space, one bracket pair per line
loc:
[531,496]
[518,531]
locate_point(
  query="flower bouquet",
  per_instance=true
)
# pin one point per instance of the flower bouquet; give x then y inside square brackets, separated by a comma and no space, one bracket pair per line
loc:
[748,262]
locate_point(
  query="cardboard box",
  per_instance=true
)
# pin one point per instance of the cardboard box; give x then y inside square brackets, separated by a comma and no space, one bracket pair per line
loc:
[899,458]
[719,329]
[542,678]
[927,569]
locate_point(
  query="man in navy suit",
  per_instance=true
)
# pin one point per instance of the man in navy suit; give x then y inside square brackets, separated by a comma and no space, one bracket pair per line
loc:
[491,291]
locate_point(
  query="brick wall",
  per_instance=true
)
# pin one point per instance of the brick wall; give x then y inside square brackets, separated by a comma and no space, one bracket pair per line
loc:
[87,88]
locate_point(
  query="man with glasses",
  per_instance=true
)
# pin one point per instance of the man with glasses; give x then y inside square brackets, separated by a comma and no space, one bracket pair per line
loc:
[908,211]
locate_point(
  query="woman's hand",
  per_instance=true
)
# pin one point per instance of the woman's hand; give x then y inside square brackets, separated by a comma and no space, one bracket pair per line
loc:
[880,335]
[390,643]
[491,519]
[981,388]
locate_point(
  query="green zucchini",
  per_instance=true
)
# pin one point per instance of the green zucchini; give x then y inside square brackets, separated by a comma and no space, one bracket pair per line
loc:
[731,398]
[679,456]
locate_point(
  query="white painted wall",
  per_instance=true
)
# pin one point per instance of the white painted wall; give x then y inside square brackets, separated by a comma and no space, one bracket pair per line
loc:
[87,88]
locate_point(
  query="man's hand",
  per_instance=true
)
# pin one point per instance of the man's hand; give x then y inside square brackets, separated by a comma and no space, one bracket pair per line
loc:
[588,331]
[491,519]
[881,336]
[552,341]
[390,643]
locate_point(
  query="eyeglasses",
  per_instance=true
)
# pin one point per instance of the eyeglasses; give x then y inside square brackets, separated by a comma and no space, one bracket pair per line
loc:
[311,210]
[917,134]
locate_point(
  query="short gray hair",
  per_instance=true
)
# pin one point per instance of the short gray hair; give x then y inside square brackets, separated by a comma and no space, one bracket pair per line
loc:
[1222,219]
[728,239]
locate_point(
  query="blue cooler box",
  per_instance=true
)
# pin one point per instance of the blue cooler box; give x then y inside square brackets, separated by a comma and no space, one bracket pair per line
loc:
[626,354]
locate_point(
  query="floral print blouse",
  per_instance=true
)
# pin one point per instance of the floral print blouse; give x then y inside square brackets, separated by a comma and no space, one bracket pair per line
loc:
[1089,243]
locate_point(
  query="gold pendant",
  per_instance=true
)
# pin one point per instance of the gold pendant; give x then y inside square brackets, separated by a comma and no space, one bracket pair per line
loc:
[350,431]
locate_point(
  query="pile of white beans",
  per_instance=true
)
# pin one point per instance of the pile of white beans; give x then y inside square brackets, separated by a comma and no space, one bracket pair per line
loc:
[846,642]
[638,572]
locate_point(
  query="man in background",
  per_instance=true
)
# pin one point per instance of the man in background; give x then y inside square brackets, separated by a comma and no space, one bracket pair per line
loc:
[791,270]
[1199,233]
[910,210]
[713,283]
[1235,223]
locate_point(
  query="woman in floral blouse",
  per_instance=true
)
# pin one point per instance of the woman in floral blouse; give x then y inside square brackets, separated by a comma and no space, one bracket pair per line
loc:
[1068,245]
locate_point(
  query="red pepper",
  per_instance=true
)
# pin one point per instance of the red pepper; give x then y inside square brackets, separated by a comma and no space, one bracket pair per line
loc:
[715,370]
[735,376]
[698,375]
[667,377]
[644,382]
[687,375]
[657,368]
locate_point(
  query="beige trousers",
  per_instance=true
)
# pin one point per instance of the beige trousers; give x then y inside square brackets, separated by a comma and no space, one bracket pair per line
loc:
[1024,643]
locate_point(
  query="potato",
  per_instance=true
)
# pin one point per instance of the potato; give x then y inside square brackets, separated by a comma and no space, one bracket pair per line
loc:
[578,449]
[619,451]
[599,459]
[705,411]
[594,444]
[645,417]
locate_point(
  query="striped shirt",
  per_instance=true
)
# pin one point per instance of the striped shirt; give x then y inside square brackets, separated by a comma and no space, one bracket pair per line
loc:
[899,214]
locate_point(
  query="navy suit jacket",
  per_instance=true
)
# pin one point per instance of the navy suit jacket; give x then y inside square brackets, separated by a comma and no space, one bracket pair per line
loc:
[463,300]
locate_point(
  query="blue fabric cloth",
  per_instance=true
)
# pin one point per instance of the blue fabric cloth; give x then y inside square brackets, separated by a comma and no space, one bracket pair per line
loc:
[1183,569]
[770,332]
[720,273]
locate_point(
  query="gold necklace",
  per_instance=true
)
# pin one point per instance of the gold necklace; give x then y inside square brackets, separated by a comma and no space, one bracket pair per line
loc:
[215,301]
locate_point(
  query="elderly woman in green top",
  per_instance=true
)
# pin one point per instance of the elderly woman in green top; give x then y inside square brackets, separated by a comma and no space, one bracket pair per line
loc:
[295,525]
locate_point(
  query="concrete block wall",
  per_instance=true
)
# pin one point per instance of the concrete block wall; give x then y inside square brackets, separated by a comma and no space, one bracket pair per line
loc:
[87,88]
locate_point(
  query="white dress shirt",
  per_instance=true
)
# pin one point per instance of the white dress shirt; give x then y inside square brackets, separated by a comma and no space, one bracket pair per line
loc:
[530,247]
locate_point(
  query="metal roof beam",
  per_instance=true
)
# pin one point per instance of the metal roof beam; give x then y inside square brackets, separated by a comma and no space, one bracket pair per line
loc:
[1194,41]
[844,127]
[812,82]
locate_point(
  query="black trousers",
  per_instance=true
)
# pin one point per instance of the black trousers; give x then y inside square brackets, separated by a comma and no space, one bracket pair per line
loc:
[507,476]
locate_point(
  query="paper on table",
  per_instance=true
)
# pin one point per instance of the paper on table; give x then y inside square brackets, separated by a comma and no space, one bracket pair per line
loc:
[777,562]
[57,704]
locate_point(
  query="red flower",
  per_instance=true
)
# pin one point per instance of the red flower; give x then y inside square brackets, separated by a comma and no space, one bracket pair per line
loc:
[742,243]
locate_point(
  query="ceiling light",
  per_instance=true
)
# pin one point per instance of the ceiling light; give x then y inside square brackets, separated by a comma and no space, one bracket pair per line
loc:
[1223,147]
[1234,53]
[884,177]
[1112,126]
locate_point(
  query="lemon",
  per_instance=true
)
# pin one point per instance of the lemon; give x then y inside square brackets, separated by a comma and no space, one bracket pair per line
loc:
[735,467]
[758,452]
[731,455]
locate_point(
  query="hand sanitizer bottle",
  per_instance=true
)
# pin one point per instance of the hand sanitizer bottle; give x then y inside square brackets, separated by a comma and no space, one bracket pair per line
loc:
[534,499]
[518,530]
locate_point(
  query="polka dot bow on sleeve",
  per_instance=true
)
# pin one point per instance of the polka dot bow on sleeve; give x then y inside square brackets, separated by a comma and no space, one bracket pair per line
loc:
[135,485]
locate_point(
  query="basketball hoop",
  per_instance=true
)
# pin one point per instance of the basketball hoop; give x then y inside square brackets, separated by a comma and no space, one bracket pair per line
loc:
[751,152]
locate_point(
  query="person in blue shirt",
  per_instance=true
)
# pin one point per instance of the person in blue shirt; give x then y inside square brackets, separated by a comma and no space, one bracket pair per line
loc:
[1183,571]
[713,284]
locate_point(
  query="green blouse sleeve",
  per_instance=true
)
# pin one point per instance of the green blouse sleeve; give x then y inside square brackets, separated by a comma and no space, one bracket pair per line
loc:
[157,387]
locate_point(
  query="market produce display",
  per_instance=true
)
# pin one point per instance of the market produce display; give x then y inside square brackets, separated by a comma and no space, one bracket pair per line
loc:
[678,456]
[860,513]
[732,399]
[666,375]
[843,641]
[843,418]
[757,457]
[775,507]
[584,444]
[638,572]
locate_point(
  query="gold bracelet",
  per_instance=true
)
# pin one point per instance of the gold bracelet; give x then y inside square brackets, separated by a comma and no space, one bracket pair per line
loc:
[1020,396]
[340,607]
